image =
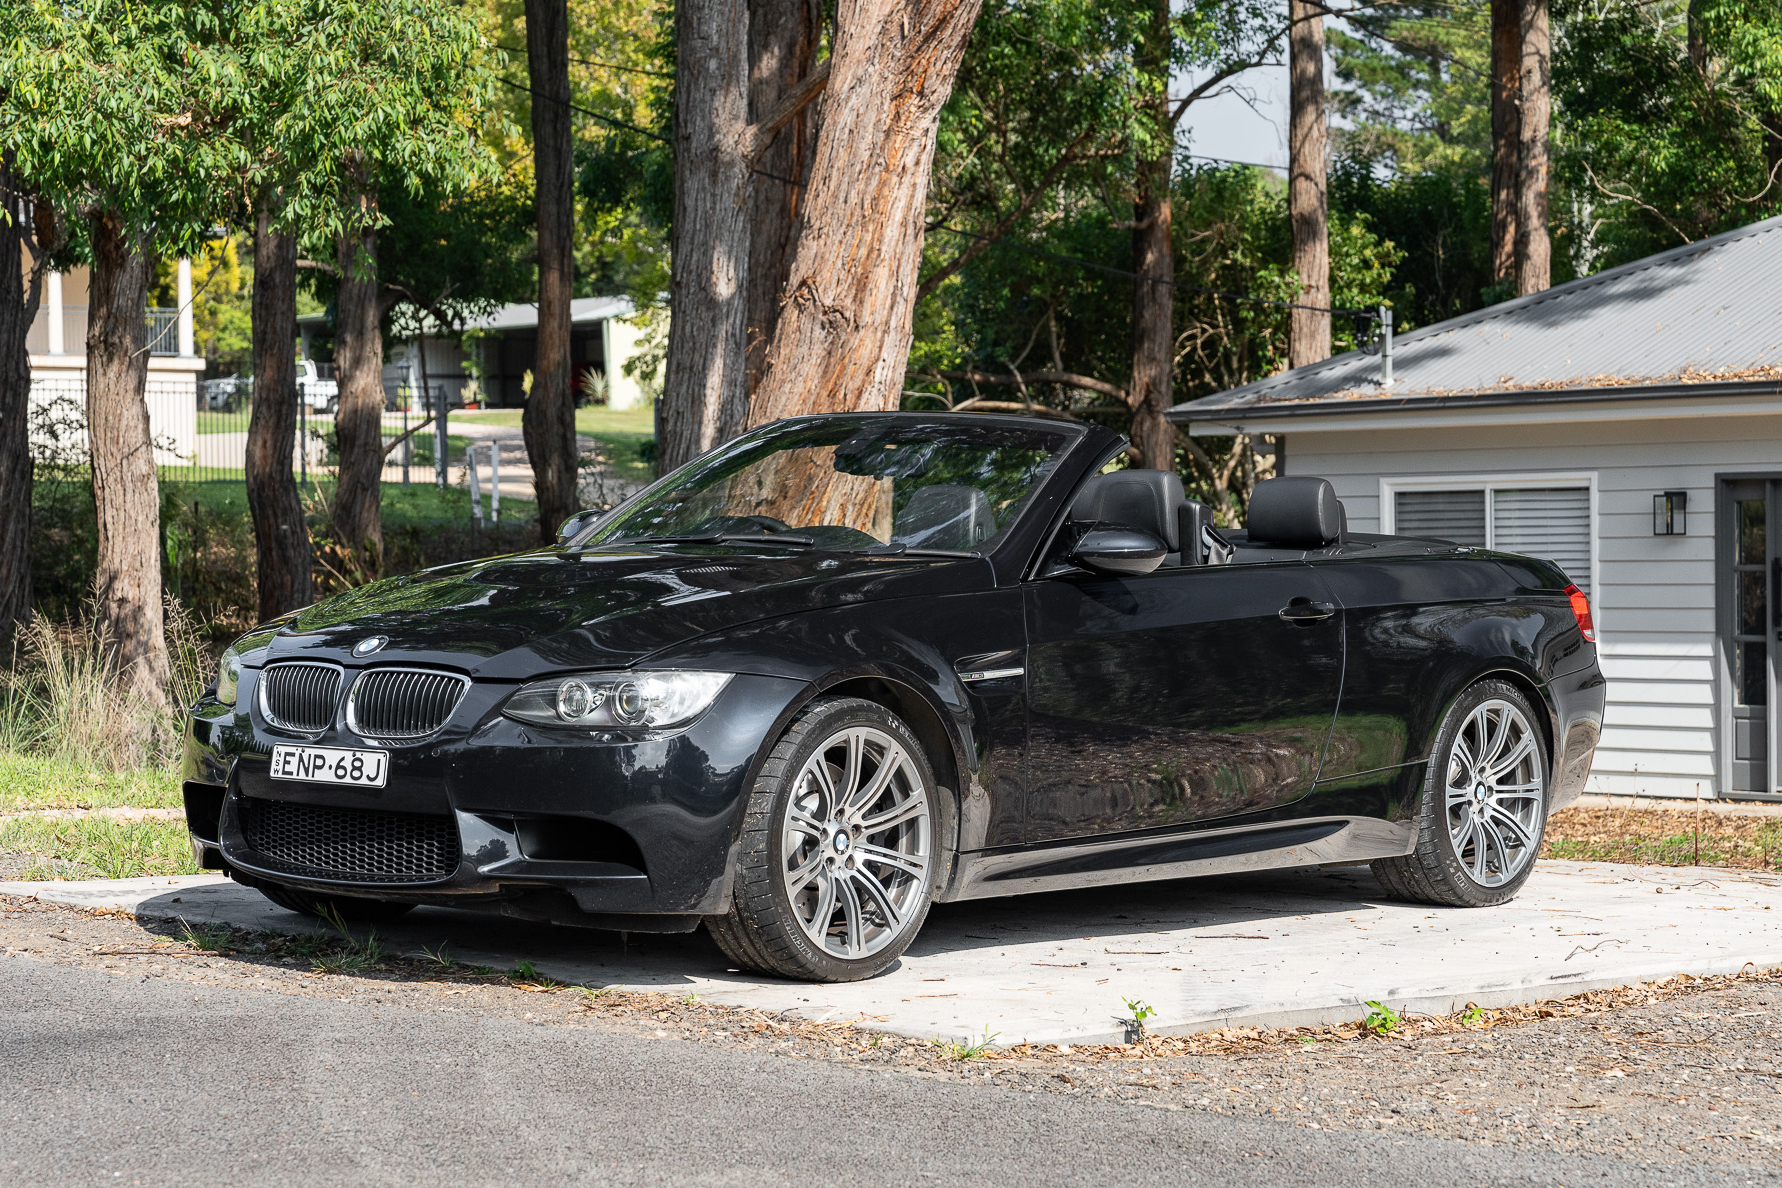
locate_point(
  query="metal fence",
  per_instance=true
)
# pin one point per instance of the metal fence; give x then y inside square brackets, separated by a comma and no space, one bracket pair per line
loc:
[225,408]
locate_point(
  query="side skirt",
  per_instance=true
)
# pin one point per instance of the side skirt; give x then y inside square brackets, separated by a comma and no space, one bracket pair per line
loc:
[1106,861]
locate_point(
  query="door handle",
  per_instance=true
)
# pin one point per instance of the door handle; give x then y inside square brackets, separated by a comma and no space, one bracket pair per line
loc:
[1303,612]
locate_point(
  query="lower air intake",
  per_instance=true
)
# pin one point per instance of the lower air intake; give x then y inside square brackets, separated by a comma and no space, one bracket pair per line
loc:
[354,845]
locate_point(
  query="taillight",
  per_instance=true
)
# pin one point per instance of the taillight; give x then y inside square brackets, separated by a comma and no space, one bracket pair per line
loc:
[1581,611]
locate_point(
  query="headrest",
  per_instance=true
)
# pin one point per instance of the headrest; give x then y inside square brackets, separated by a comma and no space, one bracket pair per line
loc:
[1145,499]
[945,516]
[1300,513]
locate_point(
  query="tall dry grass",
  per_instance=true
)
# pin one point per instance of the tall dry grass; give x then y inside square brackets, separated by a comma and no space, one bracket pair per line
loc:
[61,696]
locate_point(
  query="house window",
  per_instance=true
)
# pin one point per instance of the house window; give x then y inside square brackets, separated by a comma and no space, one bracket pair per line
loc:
[1550,522]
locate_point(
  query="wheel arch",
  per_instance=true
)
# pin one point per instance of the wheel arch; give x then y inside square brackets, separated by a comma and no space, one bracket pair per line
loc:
[1531,686]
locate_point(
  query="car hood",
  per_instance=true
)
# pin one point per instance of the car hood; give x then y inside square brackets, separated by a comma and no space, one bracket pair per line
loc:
[514,616]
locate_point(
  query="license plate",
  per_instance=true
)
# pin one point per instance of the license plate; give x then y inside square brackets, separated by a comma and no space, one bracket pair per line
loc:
[331,765]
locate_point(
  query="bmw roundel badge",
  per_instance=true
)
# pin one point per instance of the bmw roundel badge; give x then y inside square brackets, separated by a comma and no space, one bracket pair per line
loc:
[370,644]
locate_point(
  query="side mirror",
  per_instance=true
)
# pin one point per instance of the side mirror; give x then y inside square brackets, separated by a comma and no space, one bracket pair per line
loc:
[574,525]
[1123,551]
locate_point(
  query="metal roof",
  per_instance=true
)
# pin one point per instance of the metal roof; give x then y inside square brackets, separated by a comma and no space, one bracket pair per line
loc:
[1708,313]
[525,315]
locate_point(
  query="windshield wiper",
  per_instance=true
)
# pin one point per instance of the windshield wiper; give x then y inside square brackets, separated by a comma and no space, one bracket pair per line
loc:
[785,538]
[903,550]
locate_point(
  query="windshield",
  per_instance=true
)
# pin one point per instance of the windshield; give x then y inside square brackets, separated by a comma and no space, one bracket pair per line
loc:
[852,483]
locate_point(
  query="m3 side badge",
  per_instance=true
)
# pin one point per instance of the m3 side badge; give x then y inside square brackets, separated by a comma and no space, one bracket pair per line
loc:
[370,644]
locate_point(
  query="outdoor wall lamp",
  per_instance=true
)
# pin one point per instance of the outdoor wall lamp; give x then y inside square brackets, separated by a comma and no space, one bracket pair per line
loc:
[1670,513]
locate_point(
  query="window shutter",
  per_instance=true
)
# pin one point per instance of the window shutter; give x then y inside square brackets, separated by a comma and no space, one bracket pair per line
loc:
[1458,516]
[1552,523]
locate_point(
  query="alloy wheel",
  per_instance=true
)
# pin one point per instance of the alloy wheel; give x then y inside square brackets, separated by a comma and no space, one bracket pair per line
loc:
[1496,793]
[858,843]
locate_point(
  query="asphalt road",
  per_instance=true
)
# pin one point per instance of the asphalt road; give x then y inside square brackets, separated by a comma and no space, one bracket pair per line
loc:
[111,1079]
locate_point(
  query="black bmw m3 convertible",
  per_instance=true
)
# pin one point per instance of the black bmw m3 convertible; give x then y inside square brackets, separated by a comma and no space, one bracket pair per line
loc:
[848,666]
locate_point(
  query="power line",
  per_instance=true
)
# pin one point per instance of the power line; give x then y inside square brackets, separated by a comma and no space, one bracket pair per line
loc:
[1358,314]
[514,49]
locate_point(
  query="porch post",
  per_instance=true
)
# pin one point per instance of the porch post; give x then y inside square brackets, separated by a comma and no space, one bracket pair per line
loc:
[183,295]
[52,302]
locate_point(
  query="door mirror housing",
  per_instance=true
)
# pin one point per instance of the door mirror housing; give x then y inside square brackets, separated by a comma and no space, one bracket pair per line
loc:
[1126,552]
[574,525]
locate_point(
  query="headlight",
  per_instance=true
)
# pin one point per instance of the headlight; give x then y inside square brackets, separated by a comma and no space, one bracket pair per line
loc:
[229,676]
[609,700]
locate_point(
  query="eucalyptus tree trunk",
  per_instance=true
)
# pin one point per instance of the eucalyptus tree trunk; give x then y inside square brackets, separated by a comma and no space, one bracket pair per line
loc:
[20,286]
[1506,135]
[358,422]
[1308,331]
[783,38]
[1153,260]
[126,497]
[704,390]
[549,419]
[281,534]
[1534,248]
[843,338]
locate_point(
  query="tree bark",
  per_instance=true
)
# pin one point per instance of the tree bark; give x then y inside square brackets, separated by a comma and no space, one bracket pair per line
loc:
[1506,135]
[843,338]
[281,534]
[19,291]
[1697,44]
[549,419]
[783,37]
[126,497]
[704,390]
[358,420]
[1534,248]
[1153,298]
[1308,331]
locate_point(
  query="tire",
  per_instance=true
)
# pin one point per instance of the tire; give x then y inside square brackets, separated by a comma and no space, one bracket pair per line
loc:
[1483,809]
[348,908]
[828,891]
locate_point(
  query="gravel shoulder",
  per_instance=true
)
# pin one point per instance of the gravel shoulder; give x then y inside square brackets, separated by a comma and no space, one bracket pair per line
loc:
[1685,1075]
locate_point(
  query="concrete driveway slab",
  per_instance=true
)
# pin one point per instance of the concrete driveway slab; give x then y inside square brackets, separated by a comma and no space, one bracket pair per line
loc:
[1268,950]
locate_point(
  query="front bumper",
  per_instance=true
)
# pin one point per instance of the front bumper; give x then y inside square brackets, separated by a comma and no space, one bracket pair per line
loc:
[561,825]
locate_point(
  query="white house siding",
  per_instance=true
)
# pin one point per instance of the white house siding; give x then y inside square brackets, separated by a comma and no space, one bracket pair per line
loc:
[1654,595]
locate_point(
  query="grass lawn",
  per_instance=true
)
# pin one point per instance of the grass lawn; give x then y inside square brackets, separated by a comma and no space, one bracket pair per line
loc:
[222,422]
[32,782]
[624,431]
[420,503]
[96,847]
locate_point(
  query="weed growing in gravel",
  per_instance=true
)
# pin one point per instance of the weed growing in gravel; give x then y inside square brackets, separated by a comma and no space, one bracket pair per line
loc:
[211,938]
[351,957]
[1381,1019]
[1140,1011]
[1472,1016]
[690,999]
[441,958]
[968,1049]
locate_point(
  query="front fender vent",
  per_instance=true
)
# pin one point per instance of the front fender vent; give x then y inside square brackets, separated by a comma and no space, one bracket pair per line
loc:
[403,704]
[300,695]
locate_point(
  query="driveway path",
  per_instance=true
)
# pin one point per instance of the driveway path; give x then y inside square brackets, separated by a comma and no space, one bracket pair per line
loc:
[114,1079]
[1281,949]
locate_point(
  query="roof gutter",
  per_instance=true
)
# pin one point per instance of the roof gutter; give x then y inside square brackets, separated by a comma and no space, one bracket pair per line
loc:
[1191,413]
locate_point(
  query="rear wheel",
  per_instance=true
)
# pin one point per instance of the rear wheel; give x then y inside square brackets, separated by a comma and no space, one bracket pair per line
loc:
[347,908]
[839,848]
[1484,806]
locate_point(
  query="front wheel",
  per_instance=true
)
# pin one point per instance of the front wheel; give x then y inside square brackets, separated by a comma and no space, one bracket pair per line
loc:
[839,848]
[1484,805]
